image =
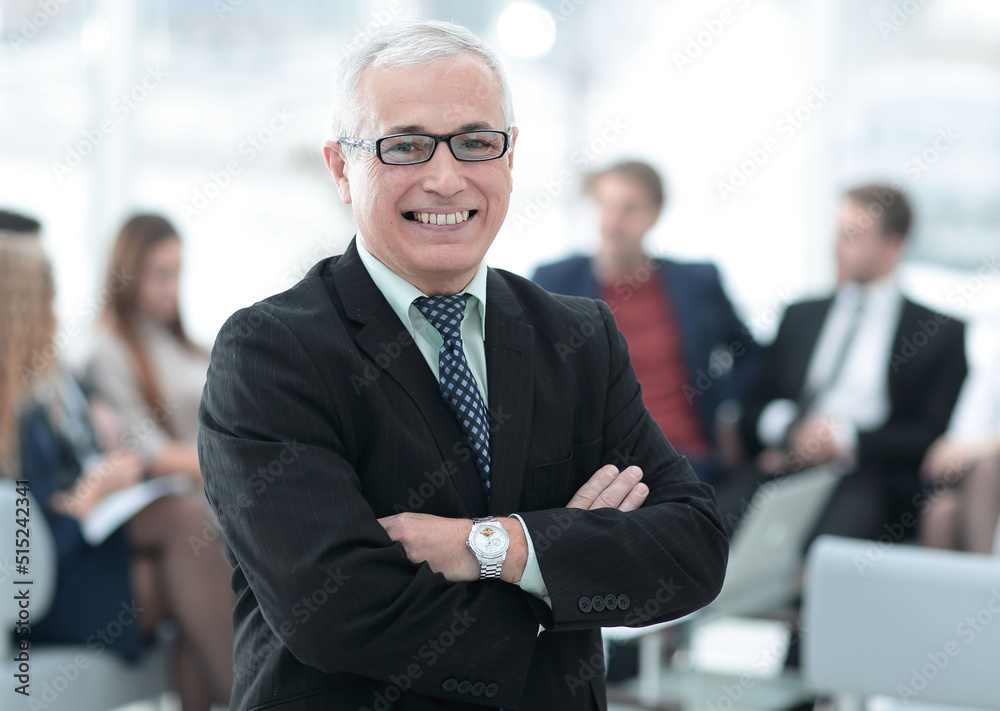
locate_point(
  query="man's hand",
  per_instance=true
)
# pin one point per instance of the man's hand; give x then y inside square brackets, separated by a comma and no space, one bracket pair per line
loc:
[441,543]
[611,489]
[813,441]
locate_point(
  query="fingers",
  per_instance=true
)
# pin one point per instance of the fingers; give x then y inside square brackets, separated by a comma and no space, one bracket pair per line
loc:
[588,493]
[635,498]
[621,487]
[609,488]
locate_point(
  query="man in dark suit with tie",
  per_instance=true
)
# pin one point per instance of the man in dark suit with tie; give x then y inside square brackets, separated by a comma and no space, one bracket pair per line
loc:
[866,377]
[688,347]
[436,481]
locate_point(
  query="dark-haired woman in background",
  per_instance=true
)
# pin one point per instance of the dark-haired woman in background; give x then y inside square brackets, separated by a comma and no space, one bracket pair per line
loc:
[142,361]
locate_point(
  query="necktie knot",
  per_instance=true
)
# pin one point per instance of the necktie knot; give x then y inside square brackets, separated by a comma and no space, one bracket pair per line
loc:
[445,313]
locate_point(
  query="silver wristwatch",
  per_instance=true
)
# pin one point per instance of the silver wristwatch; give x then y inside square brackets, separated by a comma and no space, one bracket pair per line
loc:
[489,542]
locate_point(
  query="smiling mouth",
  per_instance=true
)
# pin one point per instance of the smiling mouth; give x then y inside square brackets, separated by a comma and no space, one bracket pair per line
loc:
[440,218]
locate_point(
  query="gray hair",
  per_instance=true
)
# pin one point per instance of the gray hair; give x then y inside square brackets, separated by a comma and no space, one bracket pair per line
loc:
[403,44]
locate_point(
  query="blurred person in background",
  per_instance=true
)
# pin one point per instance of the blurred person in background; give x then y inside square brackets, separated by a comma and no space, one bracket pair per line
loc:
[16,225]
[146,570]
[962,469]
[689,349]
[142,361]
[864,377]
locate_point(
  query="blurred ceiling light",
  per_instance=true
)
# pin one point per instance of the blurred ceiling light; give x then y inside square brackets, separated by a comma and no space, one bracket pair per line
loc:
[526,30]
[95,37]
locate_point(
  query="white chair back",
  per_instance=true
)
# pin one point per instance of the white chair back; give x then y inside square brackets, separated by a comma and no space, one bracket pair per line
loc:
[919,625]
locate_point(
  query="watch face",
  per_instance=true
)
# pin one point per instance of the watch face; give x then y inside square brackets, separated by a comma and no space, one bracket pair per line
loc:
[489,540]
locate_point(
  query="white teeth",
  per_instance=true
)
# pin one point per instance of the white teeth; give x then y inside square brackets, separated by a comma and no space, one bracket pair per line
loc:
[435,218]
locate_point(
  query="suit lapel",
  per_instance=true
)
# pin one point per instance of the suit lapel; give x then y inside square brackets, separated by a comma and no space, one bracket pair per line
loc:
[510,373]
[805,341]
[379,326]
[907,326]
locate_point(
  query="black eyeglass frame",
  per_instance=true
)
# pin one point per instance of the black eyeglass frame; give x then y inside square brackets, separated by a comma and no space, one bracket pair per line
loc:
[374,146]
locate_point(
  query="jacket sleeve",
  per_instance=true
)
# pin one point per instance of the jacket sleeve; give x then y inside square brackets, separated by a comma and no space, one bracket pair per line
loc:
[607,568]
[295,521]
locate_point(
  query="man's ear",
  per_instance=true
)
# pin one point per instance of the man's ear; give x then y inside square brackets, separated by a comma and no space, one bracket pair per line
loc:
[510,152]
[337,164]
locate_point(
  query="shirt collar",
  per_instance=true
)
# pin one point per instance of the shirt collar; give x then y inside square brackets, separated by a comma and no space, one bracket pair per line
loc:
[883,289]
[401,293]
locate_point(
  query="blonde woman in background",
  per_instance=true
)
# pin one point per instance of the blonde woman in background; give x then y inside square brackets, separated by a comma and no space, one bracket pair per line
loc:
[147,568]
[142,361]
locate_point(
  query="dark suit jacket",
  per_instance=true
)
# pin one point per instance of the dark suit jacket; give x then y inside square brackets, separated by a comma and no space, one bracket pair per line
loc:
[708,324]
[925,375]
[320,415]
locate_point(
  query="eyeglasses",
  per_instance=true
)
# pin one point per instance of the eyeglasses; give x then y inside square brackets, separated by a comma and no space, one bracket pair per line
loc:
[413,148]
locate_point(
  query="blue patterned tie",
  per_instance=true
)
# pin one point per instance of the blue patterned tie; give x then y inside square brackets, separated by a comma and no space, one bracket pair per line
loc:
[458,386]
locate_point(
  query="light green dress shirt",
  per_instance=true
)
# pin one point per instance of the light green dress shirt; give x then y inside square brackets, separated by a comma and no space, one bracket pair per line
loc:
[400,294]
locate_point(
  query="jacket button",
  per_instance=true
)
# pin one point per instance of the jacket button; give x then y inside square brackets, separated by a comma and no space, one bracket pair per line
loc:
[478,688]
[450,684]
[585,604]
[623,602]
[491,690]
[598,603]
[464,687]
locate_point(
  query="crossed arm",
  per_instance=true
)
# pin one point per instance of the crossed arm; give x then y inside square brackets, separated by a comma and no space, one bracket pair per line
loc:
[440,542]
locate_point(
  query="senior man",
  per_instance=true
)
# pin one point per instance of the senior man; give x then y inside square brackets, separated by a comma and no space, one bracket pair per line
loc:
[436,481]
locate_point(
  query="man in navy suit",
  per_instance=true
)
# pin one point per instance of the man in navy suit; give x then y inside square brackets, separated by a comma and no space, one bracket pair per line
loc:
[436,481]
[688,347]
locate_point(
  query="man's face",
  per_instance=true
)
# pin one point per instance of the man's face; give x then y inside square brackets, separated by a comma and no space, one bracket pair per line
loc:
[863,252]
[627,212]
[446,97]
